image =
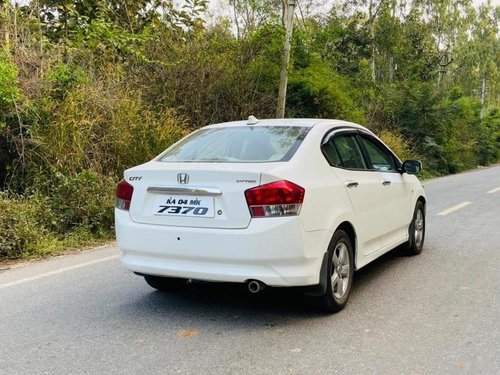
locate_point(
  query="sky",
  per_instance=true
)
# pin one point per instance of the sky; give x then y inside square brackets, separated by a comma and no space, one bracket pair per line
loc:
[219,8]
[215,4]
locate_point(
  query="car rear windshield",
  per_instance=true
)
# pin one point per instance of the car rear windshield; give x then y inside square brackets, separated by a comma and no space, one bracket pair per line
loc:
[238,145]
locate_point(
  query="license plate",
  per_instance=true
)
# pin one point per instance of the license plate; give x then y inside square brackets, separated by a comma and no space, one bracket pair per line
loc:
[184,205]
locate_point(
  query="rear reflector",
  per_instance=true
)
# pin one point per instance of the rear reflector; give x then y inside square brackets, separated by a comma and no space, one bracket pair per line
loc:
[280,198]
[124,193]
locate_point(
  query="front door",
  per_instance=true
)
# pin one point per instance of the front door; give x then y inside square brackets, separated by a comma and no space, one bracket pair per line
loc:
[395,192]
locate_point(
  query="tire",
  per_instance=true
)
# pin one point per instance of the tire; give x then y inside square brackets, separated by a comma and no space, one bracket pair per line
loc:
[416,231]
[340,272]
[165,284]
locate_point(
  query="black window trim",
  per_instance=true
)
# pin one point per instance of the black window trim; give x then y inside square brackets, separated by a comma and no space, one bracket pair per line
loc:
[339,132]
[359,133]
[397,162]
[298,142]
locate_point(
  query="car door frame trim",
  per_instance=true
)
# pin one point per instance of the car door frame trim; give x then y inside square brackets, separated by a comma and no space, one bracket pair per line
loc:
[358,133]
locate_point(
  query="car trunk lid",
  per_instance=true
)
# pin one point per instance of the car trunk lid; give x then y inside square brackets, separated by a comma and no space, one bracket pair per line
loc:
[209,195]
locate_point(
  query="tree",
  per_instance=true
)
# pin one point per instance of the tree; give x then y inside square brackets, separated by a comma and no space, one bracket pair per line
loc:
[248,15]
[289,13]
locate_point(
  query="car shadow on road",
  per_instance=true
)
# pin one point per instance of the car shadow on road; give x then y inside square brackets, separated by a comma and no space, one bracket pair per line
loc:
[202,302]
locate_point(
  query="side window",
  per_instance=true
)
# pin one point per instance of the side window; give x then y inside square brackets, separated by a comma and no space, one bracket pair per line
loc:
[381,159]
[343,151]
[331,153]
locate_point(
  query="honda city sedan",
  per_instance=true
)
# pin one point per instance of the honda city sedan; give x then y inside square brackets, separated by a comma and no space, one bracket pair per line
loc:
[279,203]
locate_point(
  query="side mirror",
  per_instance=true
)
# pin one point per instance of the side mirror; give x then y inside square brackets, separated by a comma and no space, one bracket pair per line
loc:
[411,166]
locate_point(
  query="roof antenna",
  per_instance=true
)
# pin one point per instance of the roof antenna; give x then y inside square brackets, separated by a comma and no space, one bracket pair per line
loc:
[252,120]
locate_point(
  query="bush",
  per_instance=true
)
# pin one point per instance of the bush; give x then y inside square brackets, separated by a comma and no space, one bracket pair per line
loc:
[405,150]
[79,140]
[9,92]
[22,226]
[489,138]
[398,144]
[9,95]
[83,200]
[30,227]
[317,92]
[64,78]
[101,127]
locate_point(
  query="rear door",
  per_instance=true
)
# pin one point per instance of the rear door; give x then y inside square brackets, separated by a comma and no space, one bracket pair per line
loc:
[364,188]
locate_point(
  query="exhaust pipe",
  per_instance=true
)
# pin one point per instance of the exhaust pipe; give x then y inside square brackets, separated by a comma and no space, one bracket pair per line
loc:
[255,286]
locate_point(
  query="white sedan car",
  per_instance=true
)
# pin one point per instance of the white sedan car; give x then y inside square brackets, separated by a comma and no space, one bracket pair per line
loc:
[281,203]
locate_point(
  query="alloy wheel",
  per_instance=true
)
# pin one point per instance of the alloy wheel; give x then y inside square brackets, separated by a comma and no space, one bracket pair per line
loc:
[340,270]
[419,228]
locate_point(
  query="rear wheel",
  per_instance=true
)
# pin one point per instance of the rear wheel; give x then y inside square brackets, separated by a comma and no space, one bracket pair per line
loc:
[416,231]
[165,284]
[340,272]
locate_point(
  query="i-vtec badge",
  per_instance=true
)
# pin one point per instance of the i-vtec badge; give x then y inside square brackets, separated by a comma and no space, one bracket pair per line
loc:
[182,178]
[135,178]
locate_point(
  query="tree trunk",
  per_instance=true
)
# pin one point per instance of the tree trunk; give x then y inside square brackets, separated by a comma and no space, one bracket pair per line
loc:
[371,17]
[483,89]
[289,12]
[14,45]
[40,35]
[6,37]
[236,22]
[4,8]
[391,67]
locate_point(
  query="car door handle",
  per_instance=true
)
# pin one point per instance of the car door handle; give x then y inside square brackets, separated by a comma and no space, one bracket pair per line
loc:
[386,182]
[351,184]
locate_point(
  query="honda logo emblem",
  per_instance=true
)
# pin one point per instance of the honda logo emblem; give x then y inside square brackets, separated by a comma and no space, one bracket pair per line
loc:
[182,178]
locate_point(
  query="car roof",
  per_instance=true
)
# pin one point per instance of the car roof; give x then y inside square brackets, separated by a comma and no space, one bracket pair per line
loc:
[303,122]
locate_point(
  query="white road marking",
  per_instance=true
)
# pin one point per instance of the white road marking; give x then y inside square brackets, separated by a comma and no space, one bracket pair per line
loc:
[55,272]
[453,209]
[494,190]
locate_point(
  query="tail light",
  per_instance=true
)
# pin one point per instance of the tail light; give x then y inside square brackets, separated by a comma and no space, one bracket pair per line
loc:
[280,198]
[124,193]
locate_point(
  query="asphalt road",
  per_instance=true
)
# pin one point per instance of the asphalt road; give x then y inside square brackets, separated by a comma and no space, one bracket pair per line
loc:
[437,313]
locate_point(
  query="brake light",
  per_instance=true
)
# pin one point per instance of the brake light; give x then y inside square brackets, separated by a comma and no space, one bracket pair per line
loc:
[280,198]
[124,193]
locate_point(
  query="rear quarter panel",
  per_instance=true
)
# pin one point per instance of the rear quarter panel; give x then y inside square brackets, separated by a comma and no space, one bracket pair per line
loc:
[326,203]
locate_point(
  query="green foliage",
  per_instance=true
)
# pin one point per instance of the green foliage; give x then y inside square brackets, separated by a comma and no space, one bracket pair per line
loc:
[317,92]
[67,20]
[85,200]
[459,134]
[26,229]
[10,94]
[108,39]
[9,91]
[102,128]
[94,132]
[341,42]
[22,225]
[64,78]
[489,138]
[399,144]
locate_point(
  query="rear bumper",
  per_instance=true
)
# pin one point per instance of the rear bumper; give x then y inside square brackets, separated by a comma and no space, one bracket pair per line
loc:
[276,251]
